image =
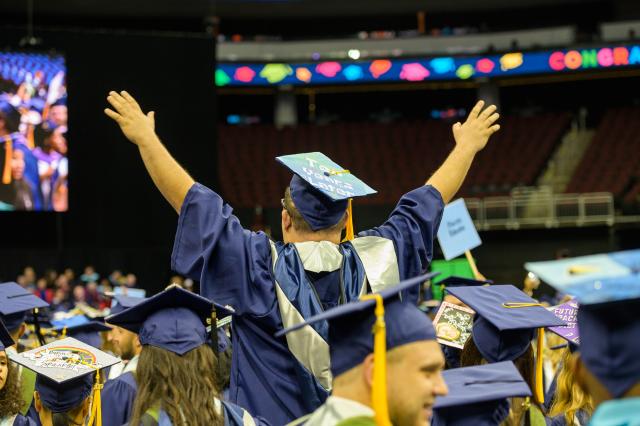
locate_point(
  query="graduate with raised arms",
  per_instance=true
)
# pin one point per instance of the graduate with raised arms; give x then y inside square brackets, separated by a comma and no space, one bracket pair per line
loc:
[275,285]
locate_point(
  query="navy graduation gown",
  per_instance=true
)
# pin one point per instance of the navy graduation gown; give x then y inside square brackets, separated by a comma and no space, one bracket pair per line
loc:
[236,267]
[118,396]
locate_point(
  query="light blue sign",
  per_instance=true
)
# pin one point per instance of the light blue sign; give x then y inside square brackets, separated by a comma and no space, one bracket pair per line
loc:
[457,234]
[323,174]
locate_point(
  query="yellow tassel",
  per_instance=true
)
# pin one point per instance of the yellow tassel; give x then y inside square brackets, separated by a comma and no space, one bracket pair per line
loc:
[8,148]
[96,405]
[379,390]
[539,391]
[349,233]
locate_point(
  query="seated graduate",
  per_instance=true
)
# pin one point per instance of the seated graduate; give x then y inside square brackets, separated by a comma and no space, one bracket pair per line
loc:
[176,371]
[119,393]
[503,330]
[68,379]
[608,368]
[385,361]
[124,343]
[479,396]
[11,400]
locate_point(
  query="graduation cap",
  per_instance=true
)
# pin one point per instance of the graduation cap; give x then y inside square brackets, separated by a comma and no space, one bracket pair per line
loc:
[121,302]
[15,302]
[610,342]
[174,320]
[5,338]
[321,189]
[81,328]
[454,281]
[478,395]
[375,324]
[505,323]
[67,371]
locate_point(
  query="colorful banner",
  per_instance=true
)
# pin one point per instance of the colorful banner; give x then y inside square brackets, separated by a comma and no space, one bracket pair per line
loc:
[426,69]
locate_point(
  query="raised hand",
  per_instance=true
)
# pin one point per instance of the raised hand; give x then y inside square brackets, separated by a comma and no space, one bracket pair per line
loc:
[475,132]
[135,124]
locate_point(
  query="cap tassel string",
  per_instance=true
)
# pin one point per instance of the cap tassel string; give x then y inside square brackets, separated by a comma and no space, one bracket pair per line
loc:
[379,389]
[96,404]
[538,392]
[349,233]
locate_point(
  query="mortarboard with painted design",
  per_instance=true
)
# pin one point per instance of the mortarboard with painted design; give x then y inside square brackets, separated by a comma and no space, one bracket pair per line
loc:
[321,189]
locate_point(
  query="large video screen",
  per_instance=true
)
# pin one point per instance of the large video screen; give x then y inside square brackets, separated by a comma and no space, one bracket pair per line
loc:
[33,127]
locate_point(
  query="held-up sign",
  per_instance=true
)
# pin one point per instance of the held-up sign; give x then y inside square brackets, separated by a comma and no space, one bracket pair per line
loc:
[457,234]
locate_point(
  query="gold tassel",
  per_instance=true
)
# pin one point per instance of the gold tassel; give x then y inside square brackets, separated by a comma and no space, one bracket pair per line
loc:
[379,390]
[8,147]
[349,234]
[539,391]
[96,404]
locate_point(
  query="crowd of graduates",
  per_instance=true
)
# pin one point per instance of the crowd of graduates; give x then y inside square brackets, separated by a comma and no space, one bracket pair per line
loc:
[327,327]
[34,167]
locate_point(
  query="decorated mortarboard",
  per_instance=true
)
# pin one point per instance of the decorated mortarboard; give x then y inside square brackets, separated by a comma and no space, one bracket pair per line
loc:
[453,324]
[321,189]
[81,328]
[505,323]
[5,338]
[15,302]
[375,324]
[478,395]
[174,320]
[66,371]
[121,302]
[567,312]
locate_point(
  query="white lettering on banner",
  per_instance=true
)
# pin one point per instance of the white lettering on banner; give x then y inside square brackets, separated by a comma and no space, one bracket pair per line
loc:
[312,162]
[319,176]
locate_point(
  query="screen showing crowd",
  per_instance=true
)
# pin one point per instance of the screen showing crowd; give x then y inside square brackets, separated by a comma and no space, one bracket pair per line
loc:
[33,126]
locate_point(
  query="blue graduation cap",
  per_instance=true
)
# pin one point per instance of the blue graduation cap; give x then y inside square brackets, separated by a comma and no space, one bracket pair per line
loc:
[62,397]
[5,338]
[320,188]
[505,323]
[478,395]
[350,325]
[121,302]
[382,317]
[81,328]
[610,342]
[174,320]
[15,302]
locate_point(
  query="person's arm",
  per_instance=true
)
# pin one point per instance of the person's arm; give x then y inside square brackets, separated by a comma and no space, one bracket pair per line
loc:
[471,137]
[170,178]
